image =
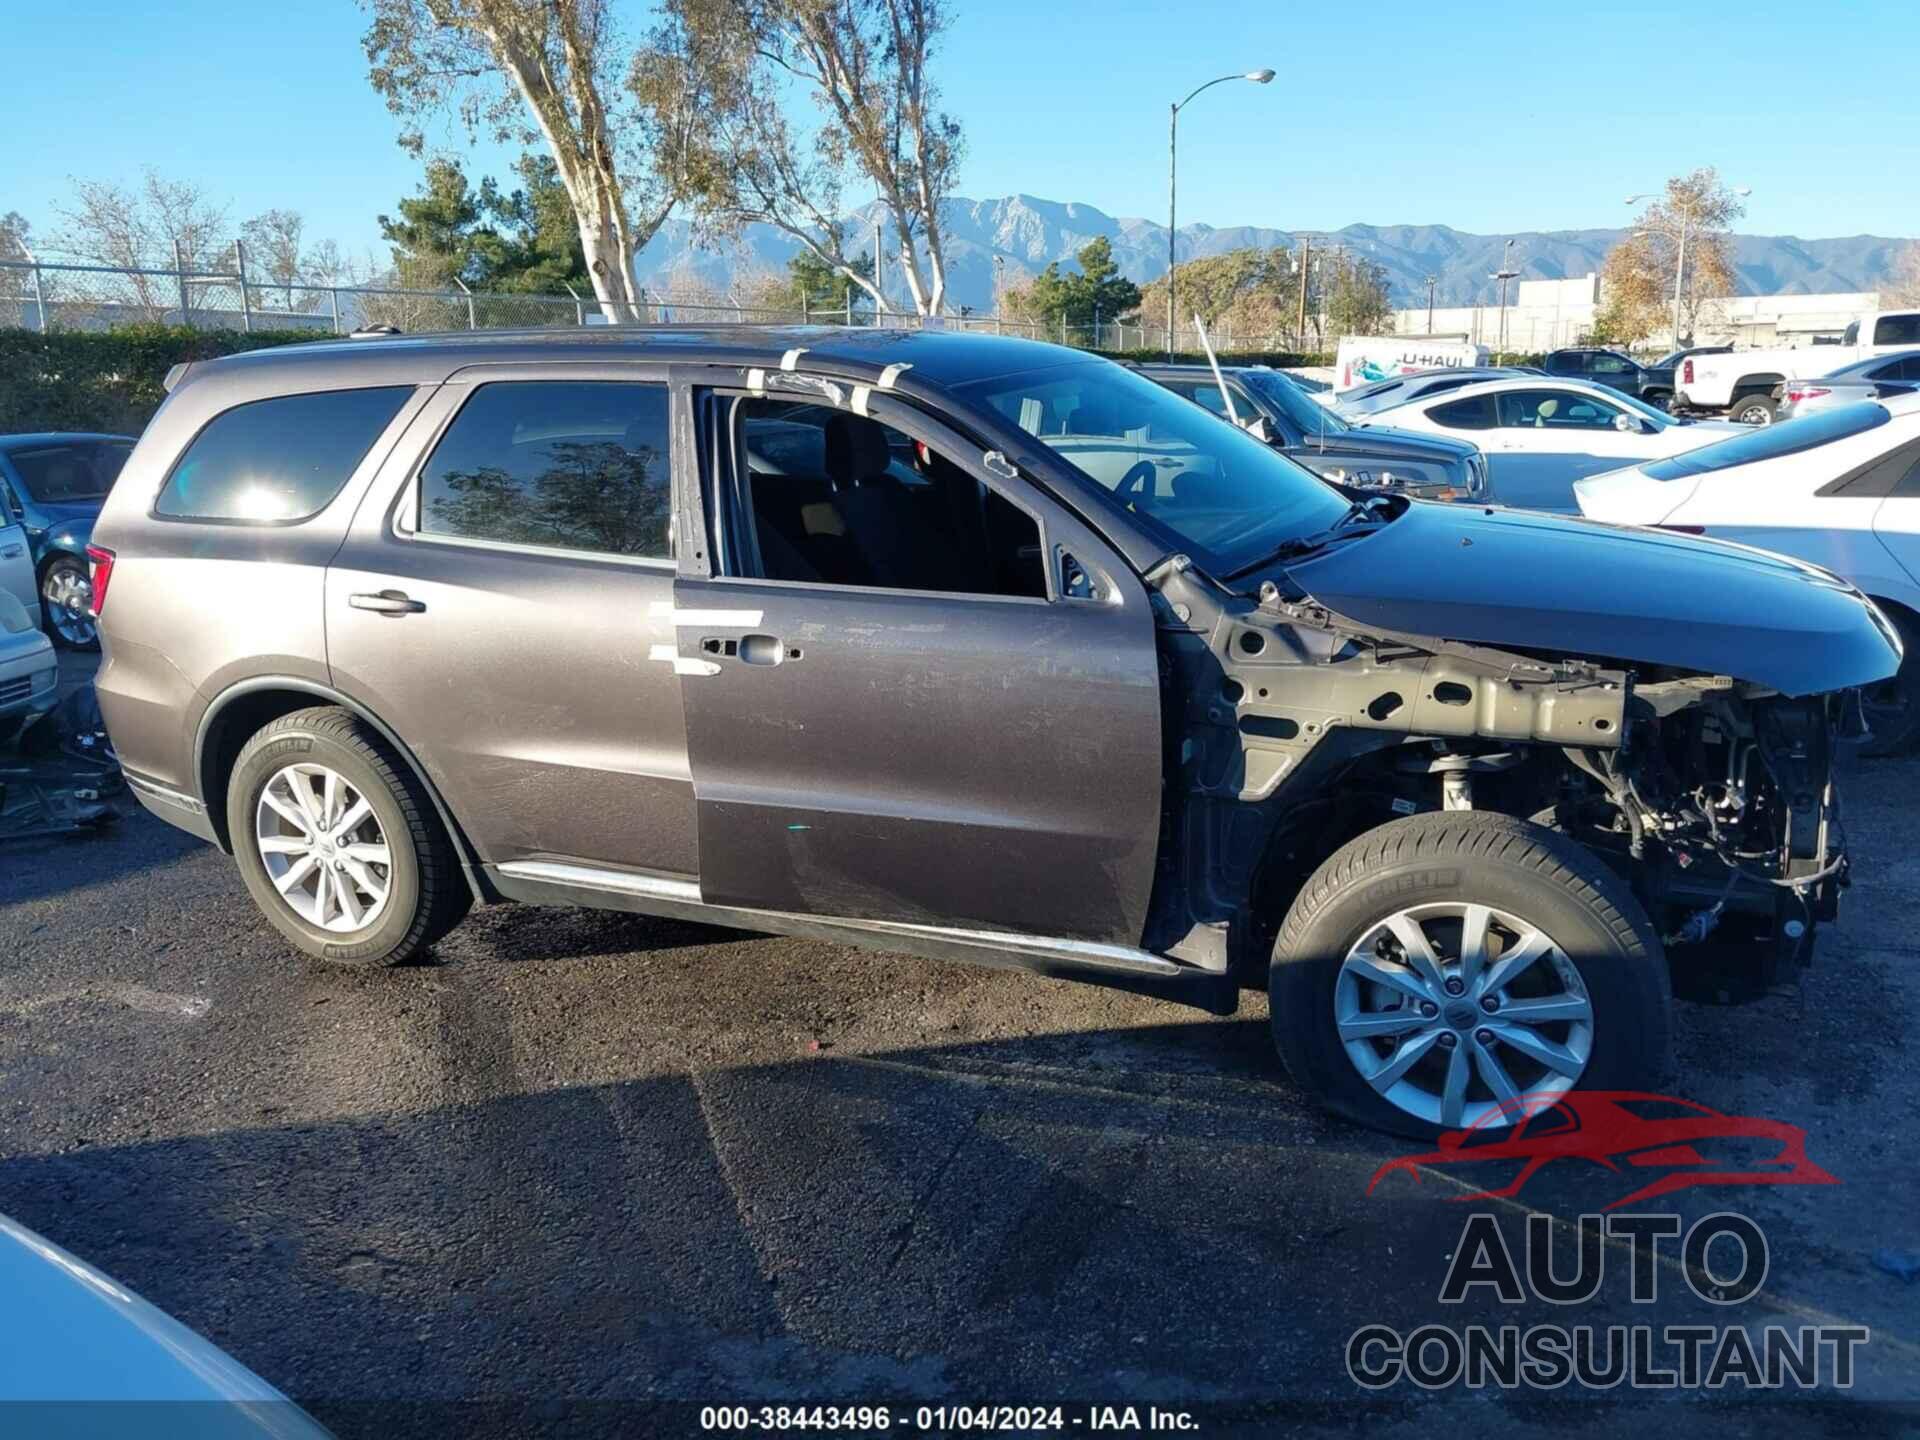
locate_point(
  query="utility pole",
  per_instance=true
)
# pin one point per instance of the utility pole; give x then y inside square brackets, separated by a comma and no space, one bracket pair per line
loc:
[1432,280]
[879,284]
[1306,257]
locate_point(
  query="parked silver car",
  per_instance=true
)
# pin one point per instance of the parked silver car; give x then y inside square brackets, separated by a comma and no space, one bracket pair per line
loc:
[1875,378]
[978,648]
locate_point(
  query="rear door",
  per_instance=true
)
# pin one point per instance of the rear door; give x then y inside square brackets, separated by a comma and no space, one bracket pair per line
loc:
[496,601]
[916,690]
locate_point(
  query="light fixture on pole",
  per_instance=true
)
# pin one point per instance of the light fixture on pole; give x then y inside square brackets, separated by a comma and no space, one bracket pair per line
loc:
[1258,77]
[1687,216]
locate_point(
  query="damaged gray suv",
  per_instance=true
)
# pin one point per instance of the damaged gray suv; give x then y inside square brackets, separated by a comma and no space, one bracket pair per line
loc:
[980,649]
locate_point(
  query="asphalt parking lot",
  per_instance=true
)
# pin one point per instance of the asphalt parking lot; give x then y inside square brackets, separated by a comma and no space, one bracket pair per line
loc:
[589,1158]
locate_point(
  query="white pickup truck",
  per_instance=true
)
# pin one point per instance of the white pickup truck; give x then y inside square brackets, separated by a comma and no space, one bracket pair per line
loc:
[1740,383]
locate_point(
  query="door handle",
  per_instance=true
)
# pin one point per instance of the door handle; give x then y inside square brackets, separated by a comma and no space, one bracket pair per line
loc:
[388,602]
[753,649]
[13,552]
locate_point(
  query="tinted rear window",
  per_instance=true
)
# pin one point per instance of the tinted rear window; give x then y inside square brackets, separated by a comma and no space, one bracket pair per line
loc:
[278,460]
[1769,442]
[72,471]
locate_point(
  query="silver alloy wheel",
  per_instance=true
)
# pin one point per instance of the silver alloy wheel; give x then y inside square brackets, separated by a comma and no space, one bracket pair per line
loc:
[67,594]
[323,848]
[1455,1012]
[1754,412]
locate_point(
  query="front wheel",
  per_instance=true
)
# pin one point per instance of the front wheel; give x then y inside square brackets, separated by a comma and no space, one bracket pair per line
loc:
[66,600]
[1454,970]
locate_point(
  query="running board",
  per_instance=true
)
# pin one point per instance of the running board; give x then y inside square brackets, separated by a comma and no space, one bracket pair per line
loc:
[548,882]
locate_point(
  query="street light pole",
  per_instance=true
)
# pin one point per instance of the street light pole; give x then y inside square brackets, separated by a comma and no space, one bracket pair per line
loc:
[1258,77]
[1505,273]
[1432,280]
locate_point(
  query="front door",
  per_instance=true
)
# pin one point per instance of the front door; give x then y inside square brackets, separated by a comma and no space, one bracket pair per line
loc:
[915,691]
[495,603]
[1544,440]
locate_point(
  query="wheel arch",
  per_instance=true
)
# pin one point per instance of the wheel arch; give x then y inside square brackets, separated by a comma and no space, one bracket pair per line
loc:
[1759,380]
[239,711]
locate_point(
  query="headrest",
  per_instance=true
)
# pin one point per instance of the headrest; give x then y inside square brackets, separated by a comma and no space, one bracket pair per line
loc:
[856,448]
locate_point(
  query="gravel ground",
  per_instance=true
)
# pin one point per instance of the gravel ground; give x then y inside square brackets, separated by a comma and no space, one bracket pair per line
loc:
[587,1159]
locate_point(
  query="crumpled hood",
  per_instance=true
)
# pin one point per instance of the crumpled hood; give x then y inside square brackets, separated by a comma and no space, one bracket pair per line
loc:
[1521,579]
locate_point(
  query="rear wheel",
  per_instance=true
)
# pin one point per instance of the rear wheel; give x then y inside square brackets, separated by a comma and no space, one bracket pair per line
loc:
[1752,409]
[1442,971]
[1891,708]
[338,844]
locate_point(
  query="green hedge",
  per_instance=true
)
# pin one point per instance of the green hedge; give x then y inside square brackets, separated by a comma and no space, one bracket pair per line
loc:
[106,380]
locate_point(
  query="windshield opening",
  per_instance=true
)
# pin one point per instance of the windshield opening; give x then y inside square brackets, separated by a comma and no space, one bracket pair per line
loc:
[1225,498]
[1785,437]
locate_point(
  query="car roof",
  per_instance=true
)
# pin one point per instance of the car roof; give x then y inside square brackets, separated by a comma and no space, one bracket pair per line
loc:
[1529,382]
[943,357]
[28,439]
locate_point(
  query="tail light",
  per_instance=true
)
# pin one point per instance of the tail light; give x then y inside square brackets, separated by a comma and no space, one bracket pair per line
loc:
[1686,372]
[1797,393]
[102,576]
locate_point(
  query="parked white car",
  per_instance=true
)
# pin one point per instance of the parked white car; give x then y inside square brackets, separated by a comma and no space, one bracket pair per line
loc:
[1741,383]
[29,671]
[1541,435]
[1839,488]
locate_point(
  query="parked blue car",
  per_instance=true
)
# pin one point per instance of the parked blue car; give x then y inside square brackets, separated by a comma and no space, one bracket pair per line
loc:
[81,1355]
[54,485]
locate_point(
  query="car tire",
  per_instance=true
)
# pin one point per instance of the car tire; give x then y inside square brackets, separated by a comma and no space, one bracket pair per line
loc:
[1595,945]
[424,894]
[1754,409]
[58,575]
[1892,707]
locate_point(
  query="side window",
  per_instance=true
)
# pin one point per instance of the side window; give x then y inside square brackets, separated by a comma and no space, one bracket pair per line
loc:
[278,460]
[568,465]
[1554,410]
[1908,369]
[1207,397]
[1897,330]
[1473,413]
[1608,365]
[832,498]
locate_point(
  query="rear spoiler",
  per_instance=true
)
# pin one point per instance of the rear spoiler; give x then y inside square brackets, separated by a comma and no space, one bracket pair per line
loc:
[176,375]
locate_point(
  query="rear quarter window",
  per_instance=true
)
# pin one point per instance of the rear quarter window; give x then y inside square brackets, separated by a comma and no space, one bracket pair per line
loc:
[280,460]
[1770,442]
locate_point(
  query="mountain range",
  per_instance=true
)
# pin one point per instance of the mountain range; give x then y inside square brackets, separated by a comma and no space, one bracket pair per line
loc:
[1024,234]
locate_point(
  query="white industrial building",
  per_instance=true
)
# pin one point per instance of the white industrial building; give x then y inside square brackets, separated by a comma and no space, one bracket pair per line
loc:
[1546,314]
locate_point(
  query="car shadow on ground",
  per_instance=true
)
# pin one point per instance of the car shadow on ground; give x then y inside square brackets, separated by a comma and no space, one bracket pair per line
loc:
[1088,1216]
[130,843]
[530,933]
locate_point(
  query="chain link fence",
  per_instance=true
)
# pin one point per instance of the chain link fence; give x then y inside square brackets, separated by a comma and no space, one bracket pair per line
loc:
[48,297]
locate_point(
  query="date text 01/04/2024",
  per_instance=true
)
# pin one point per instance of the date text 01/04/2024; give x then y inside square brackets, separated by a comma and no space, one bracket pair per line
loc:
[942,1419]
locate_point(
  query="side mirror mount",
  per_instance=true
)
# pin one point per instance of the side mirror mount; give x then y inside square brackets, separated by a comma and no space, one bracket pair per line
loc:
[1628,425]
[1258,428]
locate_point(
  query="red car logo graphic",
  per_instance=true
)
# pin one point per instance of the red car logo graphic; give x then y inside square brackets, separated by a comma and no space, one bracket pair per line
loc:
[1687,1144]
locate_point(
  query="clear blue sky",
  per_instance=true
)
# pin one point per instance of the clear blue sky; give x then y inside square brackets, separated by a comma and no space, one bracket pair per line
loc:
[1487,117]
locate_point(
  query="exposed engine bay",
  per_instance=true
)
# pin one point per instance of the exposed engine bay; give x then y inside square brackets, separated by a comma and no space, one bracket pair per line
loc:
[1291,729]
